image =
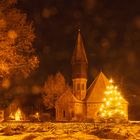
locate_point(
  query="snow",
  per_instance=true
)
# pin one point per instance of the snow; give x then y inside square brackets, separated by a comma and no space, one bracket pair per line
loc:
[68,131]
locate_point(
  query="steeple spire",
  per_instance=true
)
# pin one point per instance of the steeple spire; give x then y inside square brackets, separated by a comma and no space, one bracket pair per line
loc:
[79,54]
[79,69]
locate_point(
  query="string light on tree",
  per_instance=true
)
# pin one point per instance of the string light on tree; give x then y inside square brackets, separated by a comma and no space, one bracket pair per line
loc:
[112,106]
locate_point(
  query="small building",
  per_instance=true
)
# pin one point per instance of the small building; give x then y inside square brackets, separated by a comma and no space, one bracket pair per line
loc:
[82,103]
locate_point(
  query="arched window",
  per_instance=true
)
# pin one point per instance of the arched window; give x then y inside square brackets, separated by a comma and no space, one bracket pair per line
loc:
[78,86]
[72,114]
[64,114]
[83,86]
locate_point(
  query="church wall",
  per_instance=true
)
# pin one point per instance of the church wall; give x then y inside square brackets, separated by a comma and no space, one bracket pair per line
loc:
[80,111]
[92,110]
[64,111]
[125,106]
[73,111]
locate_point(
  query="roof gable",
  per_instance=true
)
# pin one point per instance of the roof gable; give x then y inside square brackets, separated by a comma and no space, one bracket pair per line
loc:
[67,96]
[95,92]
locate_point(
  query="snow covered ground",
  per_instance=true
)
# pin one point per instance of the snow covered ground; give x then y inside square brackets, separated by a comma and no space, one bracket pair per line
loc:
[68,131]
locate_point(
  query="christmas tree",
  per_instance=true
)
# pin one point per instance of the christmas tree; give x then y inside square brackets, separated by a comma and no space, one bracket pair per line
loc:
[112,108]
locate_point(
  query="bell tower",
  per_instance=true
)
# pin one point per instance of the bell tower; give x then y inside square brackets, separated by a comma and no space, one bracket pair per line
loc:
[79,69]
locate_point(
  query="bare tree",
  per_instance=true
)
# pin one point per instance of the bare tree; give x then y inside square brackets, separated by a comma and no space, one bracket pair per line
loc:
[54,87]
[16,37]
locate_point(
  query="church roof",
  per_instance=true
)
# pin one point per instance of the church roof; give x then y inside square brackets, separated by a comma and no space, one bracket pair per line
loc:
[79,54]
[67,96]
[95,92]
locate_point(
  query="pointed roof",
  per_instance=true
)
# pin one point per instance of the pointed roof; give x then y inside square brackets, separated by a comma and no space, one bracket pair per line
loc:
[67,97]
[79,54]
[95,92]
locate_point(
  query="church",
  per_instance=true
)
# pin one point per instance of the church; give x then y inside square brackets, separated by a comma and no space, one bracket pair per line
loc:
[82,103]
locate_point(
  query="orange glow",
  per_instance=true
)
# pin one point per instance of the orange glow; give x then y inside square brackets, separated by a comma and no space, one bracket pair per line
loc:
[112,102]
[18,115]
[122,112]
[103,114]
[109,113]
[107,103]
[12,34]
[37,115]
[111,81]
[5,83]
[119,103]
[101,109]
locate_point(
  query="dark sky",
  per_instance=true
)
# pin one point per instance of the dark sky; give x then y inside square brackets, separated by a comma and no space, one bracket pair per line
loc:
[110,31]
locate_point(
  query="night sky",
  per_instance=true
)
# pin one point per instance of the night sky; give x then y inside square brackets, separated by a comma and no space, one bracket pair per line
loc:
[111,35]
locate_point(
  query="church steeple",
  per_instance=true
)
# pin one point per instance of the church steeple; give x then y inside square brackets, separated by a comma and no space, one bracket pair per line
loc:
[79,59]
[79,69]
[79,54]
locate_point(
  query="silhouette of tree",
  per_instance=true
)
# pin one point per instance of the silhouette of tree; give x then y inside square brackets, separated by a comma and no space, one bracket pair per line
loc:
[16,37]
[54,87]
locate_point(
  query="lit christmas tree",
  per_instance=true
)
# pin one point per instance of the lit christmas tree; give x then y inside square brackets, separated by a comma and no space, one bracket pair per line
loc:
[112,108]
